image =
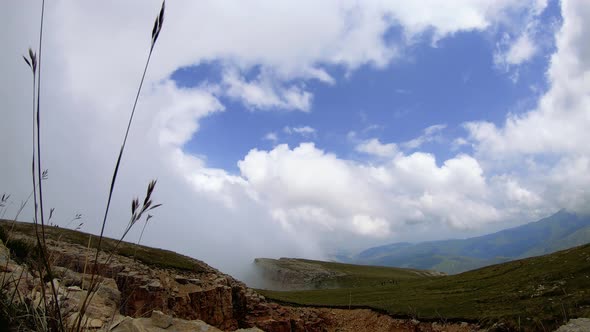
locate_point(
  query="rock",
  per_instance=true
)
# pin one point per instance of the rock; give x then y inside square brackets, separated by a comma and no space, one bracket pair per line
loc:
[161,320]
[195,281]
[576,325]
[74,289]
[181,280]
[154,285]
[129,325]
[95,323]
[179,325]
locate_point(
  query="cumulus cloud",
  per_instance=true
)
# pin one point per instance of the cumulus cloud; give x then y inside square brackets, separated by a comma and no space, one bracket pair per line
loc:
[307,186]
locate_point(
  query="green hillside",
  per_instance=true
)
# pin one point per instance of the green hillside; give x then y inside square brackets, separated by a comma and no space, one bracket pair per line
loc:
[560,231]
[540,292]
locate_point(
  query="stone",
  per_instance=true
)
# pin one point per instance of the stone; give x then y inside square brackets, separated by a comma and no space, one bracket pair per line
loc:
[129,325]
[74,289]
[154,284]
[181,280]
[161,320]
[195,281]
[575,325]
[95,323]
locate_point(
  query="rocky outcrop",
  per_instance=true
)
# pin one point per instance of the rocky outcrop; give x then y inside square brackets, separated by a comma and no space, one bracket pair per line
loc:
[294,274]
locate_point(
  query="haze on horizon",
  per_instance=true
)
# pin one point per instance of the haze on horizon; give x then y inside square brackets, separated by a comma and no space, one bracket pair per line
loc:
[302,128]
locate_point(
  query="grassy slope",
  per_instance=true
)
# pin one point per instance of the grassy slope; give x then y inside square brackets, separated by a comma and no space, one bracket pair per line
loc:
[540,290]
[151,256]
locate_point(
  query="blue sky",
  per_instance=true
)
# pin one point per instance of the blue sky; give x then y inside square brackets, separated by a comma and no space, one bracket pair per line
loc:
[450,83]
[297,128]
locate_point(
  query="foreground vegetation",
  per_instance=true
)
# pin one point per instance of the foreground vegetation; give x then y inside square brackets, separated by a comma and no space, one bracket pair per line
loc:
[538,293]
[37,255]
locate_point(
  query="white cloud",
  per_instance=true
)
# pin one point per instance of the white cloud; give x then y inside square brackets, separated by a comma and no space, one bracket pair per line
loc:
[512,52]
[522,50]
[376,148]
[431,134]
[180,111]
[524,39]
[305,131]
[548,143]
[272,136]
[265,94]
[560,122]
[308,188]
[458,143]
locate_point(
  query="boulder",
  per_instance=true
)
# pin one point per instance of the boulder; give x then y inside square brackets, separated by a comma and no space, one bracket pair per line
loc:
[161,320]
[576,325]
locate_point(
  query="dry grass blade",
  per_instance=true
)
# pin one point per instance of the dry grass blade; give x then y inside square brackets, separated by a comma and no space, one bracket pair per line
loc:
[158,24]
[4,199]
[31,61]
[27,61]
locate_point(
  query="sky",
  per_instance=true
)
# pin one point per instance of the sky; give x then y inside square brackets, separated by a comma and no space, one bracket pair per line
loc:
[302,128]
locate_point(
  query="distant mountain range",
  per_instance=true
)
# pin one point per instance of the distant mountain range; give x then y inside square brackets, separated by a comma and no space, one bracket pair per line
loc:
[560,231]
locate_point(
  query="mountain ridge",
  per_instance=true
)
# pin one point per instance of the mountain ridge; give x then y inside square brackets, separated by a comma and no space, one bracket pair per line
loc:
[559,231]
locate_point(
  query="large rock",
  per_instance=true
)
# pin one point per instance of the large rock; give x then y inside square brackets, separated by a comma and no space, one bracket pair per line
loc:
[149,325]
[576,325]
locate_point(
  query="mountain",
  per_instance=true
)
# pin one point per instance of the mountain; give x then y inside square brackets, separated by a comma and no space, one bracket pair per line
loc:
[560,231]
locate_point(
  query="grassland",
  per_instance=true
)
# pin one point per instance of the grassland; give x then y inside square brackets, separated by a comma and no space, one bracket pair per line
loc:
[538,293]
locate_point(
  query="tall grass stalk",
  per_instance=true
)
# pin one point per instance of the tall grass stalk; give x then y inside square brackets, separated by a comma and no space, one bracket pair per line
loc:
[147,205]
[56,313]
[155,33]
